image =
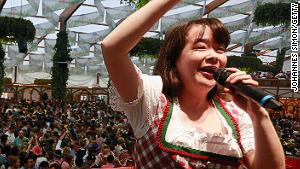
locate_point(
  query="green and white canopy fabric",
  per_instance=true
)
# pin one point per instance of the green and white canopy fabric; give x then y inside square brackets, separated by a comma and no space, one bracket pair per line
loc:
[94,19]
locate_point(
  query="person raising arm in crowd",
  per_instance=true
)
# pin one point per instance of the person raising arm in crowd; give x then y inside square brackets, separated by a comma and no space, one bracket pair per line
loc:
[178,119]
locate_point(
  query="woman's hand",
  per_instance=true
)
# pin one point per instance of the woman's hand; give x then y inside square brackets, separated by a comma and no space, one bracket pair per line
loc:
[247,104]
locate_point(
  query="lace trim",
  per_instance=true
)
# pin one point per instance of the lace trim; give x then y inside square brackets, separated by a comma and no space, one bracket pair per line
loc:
[246,127]
[115,99]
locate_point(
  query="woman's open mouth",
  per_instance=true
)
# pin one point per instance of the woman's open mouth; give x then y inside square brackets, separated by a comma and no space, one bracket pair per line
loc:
[208,71]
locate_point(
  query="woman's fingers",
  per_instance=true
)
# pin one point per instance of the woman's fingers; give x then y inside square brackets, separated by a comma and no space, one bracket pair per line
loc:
[245,79]
[233,77]
[250,82]
[232,69]
[240,76]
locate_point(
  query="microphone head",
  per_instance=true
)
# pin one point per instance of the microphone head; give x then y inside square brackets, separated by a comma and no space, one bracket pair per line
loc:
[220,75]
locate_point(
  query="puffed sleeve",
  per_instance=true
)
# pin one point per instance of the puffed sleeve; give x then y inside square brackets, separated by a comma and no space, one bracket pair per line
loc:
[139,111]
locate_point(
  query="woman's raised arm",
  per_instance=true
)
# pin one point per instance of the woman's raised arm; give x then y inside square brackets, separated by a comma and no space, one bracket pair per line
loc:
[117,45]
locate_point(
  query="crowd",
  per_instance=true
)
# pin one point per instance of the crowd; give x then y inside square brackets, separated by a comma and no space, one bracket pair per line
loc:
[288,130]
[39,135]
[89,135]
[269,75]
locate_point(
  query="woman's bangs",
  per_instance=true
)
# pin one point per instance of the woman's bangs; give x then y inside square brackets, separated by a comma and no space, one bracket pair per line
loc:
[220,33]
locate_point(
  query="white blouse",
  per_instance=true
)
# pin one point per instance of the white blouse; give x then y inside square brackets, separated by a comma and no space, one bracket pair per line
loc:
[140,115]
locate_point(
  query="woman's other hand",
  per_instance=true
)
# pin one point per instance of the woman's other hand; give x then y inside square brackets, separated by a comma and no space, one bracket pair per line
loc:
[247,104]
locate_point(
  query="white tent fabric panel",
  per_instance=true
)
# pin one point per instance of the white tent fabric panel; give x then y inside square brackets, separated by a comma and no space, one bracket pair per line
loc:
[229,10]
[34,3]
[85,46]
[47,67]
[269,44]
[85,62]
[58,4]
[48,8]
[28,78]
[83,10]
[93,69]
[170,20]
[86,39]
[77,52]
[98,51]
[81,80]
[237,24]
[267,59]
[16,11]
[119,12]
[13,53]
[80,20]
[72,37]
[49,46]
[77,70]
[9,63]
[37,57]
[48,58]
[261,35]
[238,37]
[74,80]
[24,69]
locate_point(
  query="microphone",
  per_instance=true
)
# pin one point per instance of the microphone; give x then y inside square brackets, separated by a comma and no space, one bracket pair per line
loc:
[263,98]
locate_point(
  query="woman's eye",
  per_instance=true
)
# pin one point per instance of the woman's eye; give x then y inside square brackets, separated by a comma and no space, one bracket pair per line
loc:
[221,50]
[200,47]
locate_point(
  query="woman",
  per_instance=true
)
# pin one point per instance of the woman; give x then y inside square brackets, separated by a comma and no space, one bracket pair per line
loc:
[178,120]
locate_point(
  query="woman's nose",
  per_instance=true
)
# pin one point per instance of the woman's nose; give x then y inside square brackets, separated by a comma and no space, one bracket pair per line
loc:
[212,57]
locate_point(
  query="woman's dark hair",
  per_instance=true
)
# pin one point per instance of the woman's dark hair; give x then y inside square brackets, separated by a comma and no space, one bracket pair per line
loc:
[172,47]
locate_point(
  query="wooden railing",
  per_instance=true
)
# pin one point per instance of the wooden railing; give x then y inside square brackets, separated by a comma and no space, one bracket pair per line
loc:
[274,82]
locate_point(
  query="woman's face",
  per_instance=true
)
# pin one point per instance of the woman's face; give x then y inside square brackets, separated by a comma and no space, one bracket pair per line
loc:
[199,58]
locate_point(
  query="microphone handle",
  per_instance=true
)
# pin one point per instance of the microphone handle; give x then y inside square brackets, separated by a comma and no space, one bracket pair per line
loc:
[250,91]
[263,98]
